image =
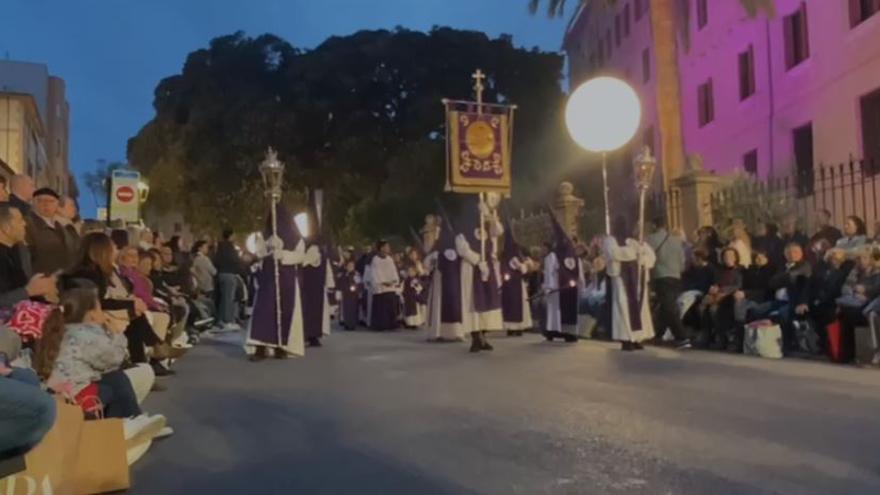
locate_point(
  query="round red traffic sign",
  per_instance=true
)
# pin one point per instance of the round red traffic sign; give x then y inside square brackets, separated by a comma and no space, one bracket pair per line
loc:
[125,194]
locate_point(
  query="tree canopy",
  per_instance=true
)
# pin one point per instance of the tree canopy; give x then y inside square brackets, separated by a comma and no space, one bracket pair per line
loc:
[359,116]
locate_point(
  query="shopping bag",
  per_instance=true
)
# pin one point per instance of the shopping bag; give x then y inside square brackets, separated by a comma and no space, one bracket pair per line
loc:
[101,465]
[840,343]
[867,346]
[763,338]
[49,465]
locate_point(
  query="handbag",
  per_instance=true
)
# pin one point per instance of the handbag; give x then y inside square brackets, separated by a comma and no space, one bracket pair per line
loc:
[28,318]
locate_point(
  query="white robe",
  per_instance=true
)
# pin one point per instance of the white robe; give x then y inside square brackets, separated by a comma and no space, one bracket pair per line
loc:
[382,270]
[621,329]
[295,340]
[551,288]
[436,328]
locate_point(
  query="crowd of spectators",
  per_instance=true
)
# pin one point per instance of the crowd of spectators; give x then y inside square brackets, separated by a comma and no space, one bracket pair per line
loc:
[98,316]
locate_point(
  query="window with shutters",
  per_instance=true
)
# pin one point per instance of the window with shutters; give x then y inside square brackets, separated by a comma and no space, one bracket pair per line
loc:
[747,73]
[750,162]
[705,103]
[640,9]
[870,110]
[797,38]
[861,10]
[617,28]
[646,65]
[803,157]
[626,20]
[702,13]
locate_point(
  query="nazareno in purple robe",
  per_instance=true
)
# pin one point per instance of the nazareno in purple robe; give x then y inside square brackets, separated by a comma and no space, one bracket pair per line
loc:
[569,274]
[449,265]
[486,293]
[313,282]
[263,326]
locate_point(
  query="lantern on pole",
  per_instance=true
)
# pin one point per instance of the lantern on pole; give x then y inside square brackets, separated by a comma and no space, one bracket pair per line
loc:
[644,165]
[272,172]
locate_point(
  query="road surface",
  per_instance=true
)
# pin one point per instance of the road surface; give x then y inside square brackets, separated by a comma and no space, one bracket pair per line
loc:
[388,413]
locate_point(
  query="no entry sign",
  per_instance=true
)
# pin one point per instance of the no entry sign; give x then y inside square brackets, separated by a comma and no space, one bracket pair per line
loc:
[124,203]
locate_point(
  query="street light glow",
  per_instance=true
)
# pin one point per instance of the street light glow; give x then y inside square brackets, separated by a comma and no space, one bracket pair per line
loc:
[302,223]
[603,114]
[251,242]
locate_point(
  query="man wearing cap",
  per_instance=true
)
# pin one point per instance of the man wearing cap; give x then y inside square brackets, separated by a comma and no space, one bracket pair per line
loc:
[46,238]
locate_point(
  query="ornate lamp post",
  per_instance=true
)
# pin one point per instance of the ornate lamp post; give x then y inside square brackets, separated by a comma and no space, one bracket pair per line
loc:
[644,165]
[272,172]
[602,115]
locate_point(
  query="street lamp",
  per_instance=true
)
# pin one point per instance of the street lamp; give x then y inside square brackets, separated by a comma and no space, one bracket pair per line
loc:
[602,115]
[272,172]
[644,165]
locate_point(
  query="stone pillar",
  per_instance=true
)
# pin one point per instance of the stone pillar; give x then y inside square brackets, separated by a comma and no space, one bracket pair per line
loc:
[693,208]
[568,208]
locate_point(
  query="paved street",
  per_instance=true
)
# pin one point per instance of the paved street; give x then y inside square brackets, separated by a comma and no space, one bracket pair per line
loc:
[387,413]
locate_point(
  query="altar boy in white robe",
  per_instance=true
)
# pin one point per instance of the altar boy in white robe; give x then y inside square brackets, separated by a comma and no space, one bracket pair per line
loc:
[629,261]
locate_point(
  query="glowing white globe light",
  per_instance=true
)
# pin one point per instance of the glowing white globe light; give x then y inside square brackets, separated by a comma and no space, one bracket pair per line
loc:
[603,114]
[302,223]
[252,242]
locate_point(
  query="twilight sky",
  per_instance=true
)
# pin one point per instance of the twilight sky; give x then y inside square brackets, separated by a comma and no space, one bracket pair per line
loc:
[113,52]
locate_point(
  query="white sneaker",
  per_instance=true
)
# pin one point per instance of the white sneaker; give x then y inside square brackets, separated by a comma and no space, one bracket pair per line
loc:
[232,327]
[164,433]
[182,342]
[133,454]
[142,428]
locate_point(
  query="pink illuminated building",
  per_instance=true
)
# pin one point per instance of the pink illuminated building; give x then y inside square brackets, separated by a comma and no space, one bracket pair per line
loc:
[766,95]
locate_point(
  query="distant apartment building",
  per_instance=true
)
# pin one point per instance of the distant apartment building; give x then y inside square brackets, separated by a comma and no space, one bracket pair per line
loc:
[34,125]
[769,96]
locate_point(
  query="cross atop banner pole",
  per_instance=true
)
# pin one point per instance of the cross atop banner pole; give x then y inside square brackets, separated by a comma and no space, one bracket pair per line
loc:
[478,77]
[479,143]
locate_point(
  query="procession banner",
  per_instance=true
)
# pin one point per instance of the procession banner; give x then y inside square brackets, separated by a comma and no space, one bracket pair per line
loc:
[479,146]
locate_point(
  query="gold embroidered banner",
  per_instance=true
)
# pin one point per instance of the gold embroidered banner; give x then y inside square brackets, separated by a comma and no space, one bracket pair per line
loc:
[479,147]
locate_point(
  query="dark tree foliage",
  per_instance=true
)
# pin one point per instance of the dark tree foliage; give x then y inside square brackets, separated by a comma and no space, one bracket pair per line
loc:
[359,116]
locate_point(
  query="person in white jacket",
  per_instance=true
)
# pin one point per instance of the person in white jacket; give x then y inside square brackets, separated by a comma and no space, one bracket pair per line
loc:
[628,263]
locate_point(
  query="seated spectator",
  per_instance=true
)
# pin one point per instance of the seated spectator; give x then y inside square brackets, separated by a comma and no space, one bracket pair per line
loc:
[825,230]
[26,412]
[120,238]
[695,283]
[791,287]
[50,247]
[21,189]
[96,265]
[854,236]
[707,240]
[68,217]
[742,243]
[16,281]
[146,240]
[826,287]
[791,233]
[716,314]
[86,364]
[755,293]
[767,239]
[861,286]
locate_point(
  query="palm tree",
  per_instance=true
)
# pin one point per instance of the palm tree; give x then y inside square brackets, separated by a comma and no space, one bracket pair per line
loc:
[666,22]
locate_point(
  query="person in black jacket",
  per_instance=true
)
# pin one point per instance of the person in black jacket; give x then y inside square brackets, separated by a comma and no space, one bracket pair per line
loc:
[229,270]
[795,279]
[716,315]
[96,268]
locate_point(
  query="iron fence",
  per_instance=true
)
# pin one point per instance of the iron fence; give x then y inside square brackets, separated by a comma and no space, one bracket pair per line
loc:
[843,189]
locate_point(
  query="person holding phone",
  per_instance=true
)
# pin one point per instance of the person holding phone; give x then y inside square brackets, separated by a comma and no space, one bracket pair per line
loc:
[17,282]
